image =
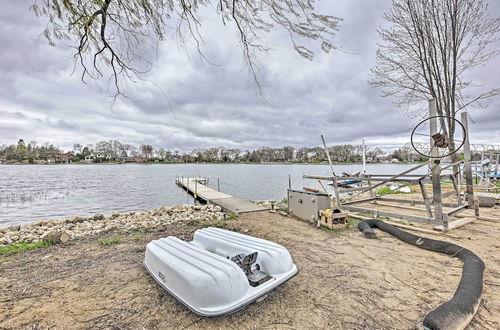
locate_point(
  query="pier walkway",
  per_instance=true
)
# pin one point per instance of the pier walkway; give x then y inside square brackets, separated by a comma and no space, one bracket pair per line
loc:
[199,190]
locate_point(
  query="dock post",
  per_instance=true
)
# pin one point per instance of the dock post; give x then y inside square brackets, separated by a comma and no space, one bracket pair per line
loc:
[218,185]
[195,188]
[372,193]
[496,166]
[469,182]
[436,169]
[364,157]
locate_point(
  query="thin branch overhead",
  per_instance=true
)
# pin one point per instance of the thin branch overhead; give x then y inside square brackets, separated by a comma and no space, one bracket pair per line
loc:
[118,38]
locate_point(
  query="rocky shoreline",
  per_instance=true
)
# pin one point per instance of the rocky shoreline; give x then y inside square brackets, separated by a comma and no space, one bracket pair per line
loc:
[69,228]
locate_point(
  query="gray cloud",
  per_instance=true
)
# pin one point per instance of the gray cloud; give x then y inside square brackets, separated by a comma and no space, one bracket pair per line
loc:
[185,103]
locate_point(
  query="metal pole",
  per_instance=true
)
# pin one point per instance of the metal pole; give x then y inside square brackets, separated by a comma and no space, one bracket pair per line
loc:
[364,157]
[195,188]
[496,166]
[289,181]
[426,199]
[328,155]
[436,169]
[467,164]
[488,172]
[334,180]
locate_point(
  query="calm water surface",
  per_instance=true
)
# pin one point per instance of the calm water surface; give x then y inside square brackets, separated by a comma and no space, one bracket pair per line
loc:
[33,192]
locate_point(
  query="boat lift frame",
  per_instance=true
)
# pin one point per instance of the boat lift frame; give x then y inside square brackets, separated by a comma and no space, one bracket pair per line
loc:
[434,204]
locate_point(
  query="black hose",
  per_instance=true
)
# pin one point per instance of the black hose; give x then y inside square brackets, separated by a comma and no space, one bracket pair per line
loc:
[457,312]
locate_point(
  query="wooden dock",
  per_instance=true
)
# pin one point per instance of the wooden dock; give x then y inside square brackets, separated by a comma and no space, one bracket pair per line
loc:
[199,190]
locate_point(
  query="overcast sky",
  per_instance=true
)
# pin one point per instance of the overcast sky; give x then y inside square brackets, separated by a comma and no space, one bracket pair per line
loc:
[212,105]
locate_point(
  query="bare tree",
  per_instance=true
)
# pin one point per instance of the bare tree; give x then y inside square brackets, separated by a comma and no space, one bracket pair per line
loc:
[118,35]
[77,148]
[147,151]
[429,48]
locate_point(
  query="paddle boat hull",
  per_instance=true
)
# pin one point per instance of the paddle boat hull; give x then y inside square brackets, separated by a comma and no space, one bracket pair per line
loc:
[219,271]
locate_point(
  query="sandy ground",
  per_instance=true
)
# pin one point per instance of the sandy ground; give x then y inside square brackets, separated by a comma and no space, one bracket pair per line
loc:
[345,282]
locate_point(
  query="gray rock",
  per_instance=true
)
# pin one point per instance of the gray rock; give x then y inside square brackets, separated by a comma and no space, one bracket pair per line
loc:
[14,228]
[65,237]
[5,240]
[98,217]
[51,236]
[50,223]
[78,220]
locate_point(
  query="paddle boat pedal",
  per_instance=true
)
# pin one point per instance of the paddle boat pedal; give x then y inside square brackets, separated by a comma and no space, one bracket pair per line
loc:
[219,271]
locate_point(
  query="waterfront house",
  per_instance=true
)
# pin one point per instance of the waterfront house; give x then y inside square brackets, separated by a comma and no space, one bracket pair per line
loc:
[312,156]
[133,160]
[89,159]
[53,158]
[3,159]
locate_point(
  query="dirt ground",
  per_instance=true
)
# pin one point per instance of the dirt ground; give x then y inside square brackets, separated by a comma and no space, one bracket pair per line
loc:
[345,281]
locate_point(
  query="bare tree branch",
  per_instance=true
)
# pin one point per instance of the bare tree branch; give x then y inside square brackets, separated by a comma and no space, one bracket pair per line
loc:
[115,37]
[429,47]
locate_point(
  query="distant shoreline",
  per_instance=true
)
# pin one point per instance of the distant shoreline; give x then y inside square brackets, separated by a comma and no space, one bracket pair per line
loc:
[216,163]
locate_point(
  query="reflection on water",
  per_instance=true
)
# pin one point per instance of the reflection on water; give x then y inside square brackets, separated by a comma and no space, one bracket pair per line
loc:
[33,192]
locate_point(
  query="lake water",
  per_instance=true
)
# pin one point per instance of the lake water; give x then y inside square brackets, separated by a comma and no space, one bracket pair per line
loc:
[33,192]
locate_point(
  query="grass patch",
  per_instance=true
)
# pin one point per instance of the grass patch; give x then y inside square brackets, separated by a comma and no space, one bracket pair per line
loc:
[2,261]
[284,200]
[218,224]
[110,241]
[194,222]
[353,222]
[333,231]
[23,246]
[232,216]
[139,235]
[387,190]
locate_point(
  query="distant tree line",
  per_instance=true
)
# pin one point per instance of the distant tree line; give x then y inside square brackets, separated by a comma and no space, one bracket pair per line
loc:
[27,152]
[113,150]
